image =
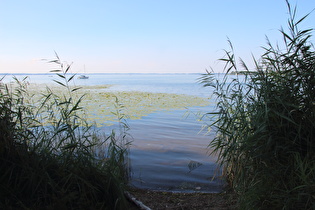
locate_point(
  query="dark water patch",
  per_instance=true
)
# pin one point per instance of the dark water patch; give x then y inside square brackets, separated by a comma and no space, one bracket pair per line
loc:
[168,153]
[169,170]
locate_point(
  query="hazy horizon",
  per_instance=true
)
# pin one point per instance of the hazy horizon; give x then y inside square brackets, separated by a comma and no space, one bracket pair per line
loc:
[140,36]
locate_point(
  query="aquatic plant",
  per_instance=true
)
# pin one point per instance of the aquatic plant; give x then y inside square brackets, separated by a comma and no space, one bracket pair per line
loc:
[51,157]
[99,102]
[265,123]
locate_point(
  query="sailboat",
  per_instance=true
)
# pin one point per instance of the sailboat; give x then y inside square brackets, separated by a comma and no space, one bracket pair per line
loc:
[83,76]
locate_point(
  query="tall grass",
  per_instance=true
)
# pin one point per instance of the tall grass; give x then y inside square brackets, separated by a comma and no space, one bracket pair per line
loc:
[50,157]
[265,123]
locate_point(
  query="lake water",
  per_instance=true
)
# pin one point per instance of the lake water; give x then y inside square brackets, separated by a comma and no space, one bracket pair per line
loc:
[165,143]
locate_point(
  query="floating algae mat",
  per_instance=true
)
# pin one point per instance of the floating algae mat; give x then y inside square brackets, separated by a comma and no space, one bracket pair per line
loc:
[100,104]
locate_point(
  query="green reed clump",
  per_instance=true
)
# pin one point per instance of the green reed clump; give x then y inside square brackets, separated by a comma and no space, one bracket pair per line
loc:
[265,123]
[51,158]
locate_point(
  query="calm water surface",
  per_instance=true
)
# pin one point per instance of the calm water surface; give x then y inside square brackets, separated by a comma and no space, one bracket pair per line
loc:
[165,143]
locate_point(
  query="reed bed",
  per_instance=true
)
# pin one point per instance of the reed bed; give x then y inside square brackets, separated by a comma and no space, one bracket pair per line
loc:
[265,123]
[51,157]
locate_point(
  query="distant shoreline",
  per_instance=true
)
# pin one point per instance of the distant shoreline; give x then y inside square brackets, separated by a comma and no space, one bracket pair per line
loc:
[49,73]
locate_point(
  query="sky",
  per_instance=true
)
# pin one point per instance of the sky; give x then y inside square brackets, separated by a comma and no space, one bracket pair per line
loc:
[138,36]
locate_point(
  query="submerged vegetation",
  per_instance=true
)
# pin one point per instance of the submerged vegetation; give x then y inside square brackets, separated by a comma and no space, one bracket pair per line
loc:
[265,123]
[50,156]
[99,102]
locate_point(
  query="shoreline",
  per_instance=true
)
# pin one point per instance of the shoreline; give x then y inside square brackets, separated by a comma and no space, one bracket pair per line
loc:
[169,200]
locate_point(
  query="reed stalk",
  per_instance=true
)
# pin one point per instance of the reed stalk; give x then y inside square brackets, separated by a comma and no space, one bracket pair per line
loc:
[50,157]
[265,123]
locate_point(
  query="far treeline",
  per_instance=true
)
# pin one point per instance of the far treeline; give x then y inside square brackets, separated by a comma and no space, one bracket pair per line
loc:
[265,123]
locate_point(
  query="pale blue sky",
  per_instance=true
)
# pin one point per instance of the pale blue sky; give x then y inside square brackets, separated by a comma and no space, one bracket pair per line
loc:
[146,36]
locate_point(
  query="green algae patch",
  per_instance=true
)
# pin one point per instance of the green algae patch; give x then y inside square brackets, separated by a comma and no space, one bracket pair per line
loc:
[100,104]
[96,87]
